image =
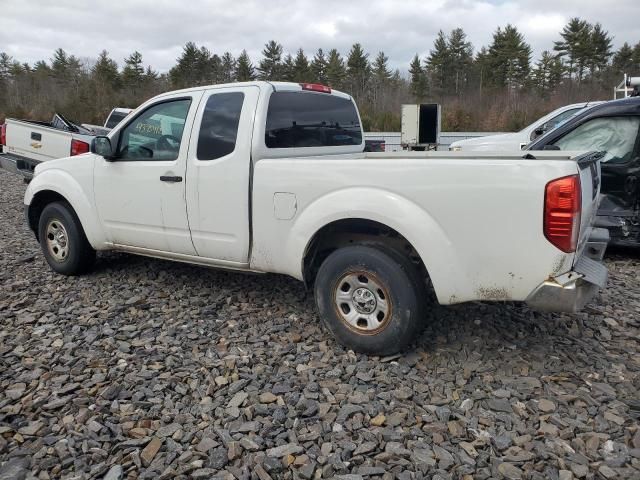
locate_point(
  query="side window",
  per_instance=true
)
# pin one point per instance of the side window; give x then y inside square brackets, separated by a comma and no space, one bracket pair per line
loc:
[555,122]
[219,127]
[614,135]
[156,133]
[305,119]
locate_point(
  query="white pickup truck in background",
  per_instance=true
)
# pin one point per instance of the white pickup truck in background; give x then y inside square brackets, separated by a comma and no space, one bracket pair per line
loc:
[114,118]
[271,177]
[27,143]
[505,142]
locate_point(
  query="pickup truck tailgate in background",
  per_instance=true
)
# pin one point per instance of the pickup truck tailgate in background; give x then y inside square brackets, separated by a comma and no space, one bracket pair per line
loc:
[37,143]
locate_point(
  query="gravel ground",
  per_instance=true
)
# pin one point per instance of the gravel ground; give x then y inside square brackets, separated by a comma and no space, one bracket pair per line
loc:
[148,369]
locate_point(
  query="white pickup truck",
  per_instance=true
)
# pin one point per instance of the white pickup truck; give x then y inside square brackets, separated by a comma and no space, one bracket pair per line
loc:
[271,177]
[26,143]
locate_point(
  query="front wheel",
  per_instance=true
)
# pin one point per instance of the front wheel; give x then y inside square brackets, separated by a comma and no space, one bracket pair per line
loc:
[370,298]
[62,239]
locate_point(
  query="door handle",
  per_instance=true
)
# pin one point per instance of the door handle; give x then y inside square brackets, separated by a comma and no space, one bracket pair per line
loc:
[171,179]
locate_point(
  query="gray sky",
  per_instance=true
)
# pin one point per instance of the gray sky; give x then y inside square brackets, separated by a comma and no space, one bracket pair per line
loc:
[31,29]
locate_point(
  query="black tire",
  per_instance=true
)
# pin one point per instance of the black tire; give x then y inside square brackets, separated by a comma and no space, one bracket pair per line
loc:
[70,254]
[400,284]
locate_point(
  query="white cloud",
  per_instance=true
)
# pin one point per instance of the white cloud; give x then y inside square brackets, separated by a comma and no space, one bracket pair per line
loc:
[30,31]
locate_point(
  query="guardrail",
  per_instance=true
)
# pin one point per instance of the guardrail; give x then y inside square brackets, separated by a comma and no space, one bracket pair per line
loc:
[392,139]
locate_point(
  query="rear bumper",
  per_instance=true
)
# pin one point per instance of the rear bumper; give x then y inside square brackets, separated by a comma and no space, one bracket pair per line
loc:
[17,164]
[571,291]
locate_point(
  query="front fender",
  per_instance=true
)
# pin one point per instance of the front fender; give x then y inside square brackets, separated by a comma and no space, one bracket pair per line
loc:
[68,187]
[375,204]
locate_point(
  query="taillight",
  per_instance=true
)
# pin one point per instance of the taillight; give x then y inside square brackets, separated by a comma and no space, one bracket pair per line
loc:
[382,147]
[3,134]
[78,147]
[315,87]
[562,204]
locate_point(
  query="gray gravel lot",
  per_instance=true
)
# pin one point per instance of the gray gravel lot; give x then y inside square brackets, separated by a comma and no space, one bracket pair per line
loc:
[148,369]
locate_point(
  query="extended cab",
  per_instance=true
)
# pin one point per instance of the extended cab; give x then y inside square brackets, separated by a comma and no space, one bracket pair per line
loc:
[272,177]
[26,143]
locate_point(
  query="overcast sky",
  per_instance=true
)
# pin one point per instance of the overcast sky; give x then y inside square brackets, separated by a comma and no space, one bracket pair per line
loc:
[31,29]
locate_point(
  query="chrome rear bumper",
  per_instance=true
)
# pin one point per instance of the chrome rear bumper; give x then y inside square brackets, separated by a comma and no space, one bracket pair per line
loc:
[571,291]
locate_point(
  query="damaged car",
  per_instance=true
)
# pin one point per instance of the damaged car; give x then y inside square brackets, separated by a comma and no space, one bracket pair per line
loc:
[614,129]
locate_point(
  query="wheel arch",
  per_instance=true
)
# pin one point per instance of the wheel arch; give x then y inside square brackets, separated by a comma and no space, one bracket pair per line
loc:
[384,215]
[350,231]
[56,185]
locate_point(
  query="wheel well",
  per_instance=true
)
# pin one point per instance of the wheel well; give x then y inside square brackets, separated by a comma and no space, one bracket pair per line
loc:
[41,200]
[354,231]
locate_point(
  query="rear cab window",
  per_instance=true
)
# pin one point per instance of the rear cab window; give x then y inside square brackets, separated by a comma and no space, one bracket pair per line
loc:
[310,119]
[114,119]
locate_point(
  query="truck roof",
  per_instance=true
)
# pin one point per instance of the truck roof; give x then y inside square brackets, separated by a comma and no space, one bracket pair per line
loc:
[262,84]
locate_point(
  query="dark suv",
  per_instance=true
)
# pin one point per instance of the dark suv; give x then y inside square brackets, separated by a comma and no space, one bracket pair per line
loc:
[613,128]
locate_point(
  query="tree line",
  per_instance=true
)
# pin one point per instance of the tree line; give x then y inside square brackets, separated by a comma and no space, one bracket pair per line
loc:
[495,88]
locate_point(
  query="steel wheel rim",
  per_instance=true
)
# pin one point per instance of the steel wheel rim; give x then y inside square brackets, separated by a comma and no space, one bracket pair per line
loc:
[57,240]
[362,302]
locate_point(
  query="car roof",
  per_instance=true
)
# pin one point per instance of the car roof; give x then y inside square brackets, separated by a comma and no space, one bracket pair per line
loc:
[621,107]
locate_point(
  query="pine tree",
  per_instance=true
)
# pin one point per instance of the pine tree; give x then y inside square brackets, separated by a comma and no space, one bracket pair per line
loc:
[244,68]
[60,64]
[5,65]
[358,71]
[287,69]
[509,58]
[547,73]
[461,59]
[600,52]
[636,57]
[381,71]
[227,68]
[418,85]
[301,69]
[105,70]
[189,68]
[575,46]
[270,66]
[319,67]
[623,59]
[133,71]
[335,72]
[438,62]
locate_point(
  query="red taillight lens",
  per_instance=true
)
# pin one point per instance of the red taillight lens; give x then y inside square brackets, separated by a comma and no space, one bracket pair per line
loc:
[315,87]
[562,204]
[382,147]
[3,134]
[78,147]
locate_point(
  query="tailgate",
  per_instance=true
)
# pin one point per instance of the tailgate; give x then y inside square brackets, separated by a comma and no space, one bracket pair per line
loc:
[36,142]
[589,170]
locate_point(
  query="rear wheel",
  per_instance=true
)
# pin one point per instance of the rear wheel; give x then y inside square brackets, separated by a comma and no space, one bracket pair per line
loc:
[62,239]
[370,298]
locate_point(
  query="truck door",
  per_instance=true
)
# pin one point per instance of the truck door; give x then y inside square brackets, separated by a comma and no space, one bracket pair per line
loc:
[219,173]
[618,137]
[140,196]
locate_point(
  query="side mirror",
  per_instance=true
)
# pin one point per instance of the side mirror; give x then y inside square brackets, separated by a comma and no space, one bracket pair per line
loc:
[102,146]
[541,130]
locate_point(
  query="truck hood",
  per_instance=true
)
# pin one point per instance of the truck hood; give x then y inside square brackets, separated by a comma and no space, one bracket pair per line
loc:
[67,164]
[504,141]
